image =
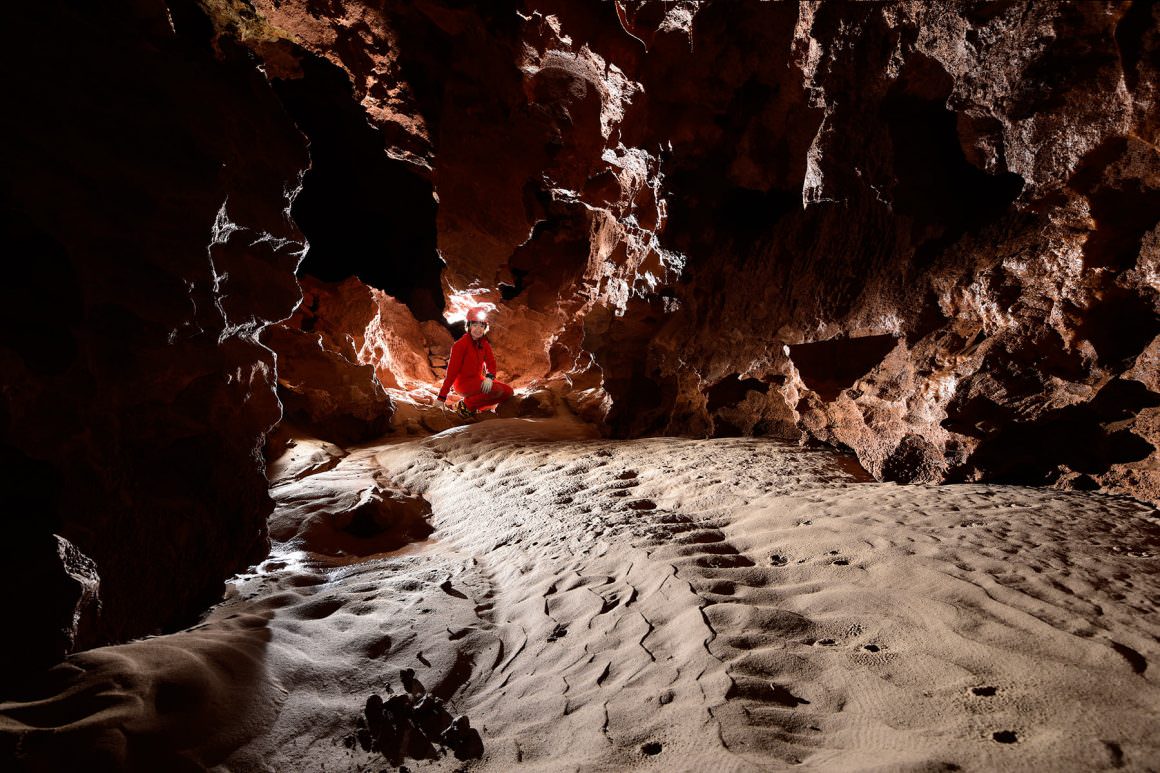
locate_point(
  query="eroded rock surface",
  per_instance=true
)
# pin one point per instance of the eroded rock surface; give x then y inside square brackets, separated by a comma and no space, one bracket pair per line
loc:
[957,201]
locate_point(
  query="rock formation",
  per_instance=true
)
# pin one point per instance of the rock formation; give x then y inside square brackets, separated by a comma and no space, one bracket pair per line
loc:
[922,232]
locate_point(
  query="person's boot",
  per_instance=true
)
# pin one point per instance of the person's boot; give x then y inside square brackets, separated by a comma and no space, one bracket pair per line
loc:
[464,412]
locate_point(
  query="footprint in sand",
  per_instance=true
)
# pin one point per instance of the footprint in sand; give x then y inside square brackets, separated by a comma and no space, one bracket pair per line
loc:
[722,561]
[701,537]
[378,648]
[447,588]
[316,610]
[721,588]
[1137,661]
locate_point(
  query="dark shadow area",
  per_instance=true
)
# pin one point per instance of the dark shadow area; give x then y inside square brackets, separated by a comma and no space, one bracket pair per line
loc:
[45,595]
[828,367]
[519,281]
[704,212]
[748,215]
[182,702]
[732,390]
[1130,34]
[554,257]
[944,194]
[436,59]
[363,213]
[1083,438]
[40,333]
[642,396]
[1120,325]
[643,400]
[128,156]
[929,319]
[983,12]
[1123,214]
[1122,218]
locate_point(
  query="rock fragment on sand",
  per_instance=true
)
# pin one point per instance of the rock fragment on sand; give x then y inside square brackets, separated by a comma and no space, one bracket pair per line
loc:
[415,725]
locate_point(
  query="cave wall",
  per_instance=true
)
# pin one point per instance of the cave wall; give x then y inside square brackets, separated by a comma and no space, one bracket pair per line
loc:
[677,208]
[875,178]
[144,194]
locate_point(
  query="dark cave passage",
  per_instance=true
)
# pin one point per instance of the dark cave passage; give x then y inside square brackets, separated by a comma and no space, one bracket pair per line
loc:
[944,195]
[363,213]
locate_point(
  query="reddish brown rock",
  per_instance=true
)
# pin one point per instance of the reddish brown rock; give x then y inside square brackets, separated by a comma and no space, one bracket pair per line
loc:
[342,348]
[660,198]
[338,312]
[397,346]
[325,393]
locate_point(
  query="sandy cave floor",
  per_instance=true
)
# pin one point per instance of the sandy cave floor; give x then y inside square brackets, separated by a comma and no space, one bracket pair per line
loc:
[730,604]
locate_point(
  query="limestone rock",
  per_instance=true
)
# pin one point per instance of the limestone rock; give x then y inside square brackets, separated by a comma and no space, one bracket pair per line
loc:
[325,393]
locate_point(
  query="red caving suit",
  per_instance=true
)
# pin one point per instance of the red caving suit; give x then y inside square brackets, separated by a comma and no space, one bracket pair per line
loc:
[470,362]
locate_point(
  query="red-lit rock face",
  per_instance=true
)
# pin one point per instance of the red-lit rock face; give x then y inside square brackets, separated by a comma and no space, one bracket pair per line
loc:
[961,203]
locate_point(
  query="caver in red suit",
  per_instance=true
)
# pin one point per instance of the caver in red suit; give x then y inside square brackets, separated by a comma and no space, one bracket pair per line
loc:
[471,368]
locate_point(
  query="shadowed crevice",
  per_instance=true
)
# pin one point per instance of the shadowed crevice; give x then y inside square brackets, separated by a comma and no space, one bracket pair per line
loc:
[828,367]
[363,213]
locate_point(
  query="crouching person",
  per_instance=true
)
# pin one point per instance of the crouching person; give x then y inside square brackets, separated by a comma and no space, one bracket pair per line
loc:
[471,369]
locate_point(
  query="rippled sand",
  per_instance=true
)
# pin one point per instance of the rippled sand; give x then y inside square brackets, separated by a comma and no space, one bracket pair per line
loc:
[587,604]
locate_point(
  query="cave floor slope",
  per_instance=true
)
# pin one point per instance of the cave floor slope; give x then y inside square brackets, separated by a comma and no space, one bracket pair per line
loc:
[730,604]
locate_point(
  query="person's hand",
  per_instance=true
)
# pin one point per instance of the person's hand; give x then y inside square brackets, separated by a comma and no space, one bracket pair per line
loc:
[442,399]
[486,386]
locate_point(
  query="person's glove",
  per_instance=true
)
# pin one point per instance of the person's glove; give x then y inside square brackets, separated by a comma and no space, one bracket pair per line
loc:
[442,399]
[486,386]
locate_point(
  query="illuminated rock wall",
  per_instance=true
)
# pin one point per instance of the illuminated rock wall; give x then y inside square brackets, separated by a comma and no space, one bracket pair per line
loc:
[924,232]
